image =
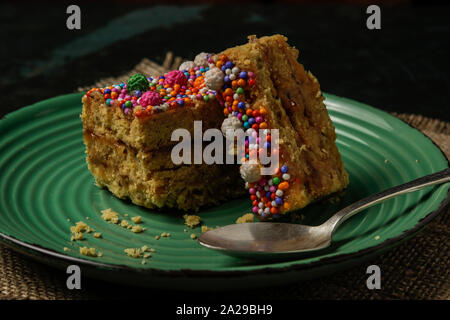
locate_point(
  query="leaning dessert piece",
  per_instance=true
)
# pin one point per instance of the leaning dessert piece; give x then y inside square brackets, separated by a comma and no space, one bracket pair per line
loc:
[266,88]
[127,131]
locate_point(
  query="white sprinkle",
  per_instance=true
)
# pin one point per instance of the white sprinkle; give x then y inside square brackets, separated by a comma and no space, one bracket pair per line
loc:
[286,176]
[279,193]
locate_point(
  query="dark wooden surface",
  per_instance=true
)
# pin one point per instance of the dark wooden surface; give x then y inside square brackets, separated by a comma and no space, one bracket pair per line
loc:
[403,67]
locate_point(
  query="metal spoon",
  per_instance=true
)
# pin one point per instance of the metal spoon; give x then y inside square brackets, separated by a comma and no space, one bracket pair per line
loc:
[280,239]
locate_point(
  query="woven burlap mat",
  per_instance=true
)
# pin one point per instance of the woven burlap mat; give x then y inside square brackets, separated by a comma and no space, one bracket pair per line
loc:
[417,269]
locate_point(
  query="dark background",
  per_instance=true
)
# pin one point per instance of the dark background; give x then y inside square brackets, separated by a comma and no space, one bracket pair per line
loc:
[404,67]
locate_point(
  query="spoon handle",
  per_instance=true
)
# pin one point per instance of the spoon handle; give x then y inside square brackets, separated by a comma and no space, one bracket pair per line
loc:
[428,180]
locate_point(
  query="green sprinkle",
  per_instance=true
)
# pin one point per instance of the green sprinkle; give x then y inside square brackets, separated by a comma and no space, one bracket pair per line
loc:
[276,180]
[137,82]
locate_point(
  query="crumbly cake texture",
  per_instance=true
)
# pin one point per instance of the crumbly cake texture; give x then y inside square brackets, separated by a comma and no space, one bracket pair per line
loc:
[256,86]
[131,155]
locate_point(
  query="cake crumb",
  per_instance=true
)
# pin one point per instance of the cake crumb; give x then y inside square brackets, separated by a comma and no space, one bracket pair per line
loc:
[136,229]
[133,252]
[80,226]
[144,262]
[66,249]
[191,220]
[417,161]
[386,160]
[152,250]
[126,214]
[99,254]
[78,236]
[90,252]
[248,217]
[165,234]
[377,237]
[193,236]
[137,219]
[144,248]
[157,237]
[124,223]
[111,216]
[97,235]
[206,228]
[147,255]
[68,220]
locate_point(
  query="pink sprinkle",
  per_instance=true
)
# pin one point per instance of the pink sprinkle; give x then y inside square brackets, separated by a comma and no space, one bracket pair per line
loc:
[258,119]
[151,98]
[262,182]
[255,209]
[272,189]
[251,74]
[175,77]
[252,190]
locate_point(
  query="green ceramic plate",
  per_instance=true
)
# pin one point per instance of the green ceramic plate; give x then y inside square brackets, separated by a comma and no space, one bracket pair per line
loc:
[45,187]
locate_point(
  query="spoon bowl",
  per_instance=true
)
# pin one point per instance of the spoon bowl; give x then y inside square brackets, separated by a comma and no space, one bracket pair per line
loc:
[266,237]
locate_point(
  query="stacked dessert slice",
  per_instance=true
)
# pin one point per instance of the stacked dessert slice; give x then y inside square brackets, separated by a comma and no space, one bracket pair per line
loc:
[258,88]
